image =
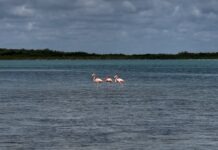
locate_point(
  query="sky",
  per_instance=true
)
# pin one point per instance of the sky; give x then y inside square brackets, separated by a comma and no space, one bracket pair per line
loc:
[110,26]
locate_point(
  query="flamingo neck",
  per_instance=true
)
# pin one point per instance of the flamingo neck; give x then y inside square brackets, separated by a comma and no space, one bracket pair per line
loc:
[94,77]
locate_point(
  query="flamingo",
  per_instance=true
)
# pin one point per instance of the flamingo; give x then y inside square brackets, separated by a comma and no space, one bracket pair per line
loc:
[96,79]
[108,79]
[118,79]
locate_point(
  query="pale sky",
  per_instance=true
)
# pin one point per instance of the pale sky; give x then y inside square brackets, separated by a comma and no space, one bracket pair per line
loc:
[110,26]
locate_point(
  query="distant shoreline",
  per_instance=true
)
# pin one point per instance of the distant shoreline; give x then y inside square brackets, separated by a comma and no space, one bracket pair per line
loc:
[47,54]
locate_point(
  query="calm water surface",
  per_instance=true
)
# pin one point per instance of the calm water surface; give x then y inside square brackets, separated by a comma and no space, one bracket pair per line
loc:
[164,105]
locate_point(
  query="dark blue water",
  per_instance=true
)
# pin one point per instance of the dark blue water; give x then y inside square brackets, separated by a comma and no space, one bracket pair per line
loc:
[164,105]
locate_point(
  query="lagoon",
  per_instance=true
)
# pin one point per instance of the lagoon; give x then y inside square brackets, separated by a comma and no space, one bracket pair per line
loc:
[53,104]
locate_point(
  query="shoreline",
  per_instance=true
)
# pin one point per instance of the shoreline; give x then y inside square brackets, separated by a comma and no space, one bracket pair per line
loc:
[46,54]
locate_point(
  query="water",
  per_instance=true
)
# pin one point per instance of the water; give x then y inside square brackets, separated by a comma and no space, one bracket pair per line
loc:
[164,105]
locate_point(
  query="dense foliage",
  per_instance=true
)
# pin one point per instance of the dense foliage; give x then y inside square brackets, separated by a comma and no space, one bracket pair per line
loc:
[50,54]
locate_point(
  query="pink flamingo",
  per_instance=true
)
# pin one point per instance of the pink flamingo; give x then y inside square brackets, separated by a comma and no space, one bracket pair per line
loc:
[96,79]
[118,79]
[108,79]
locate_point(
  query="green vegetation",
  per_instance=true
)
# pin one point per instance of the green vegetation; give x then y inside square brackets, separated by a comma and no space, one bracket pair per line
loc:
[50,54]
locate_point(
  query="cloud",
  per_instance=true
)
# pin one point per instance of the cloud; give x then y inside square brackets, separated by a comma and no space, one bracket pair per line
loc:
[110,25]
[129,6]
[30,26]
[196,12]
[22,11]
[94,6]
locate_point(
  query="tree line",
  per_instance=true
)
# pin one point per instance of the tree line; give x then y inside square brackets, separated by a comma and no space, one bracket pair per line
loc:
[52,54]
